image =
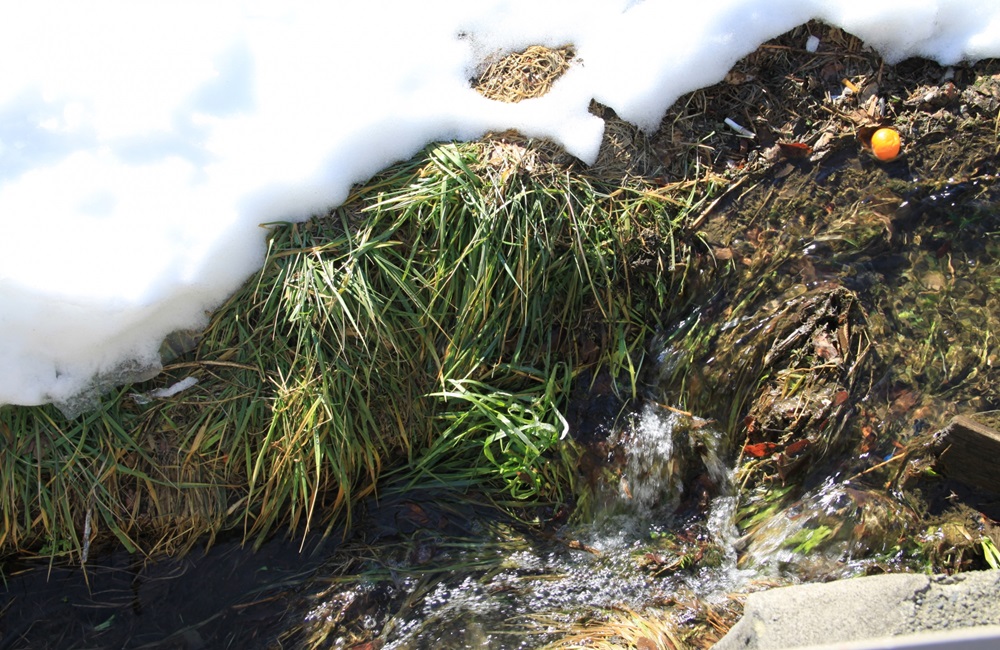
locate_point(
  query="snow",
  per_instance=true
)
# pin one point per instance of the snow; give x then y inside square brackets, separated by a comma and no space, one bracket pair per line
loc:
[143,144]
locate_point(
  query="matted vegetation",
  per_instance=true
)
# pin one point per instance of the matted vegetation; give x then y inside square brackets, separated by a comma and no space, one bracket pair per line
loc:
[522,75]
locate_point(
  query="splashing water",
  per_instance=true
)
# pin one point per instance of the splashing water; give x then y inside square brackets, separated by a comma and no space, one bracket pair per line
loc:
[653,541]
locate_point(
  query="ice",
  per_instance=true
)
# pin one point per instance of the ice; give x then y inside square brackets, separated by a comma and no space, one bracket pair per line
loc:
[143,143]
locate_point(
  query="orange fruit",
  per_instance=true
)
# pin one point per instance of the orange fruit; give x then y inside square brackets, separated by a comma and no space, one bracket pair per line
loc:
[885,144]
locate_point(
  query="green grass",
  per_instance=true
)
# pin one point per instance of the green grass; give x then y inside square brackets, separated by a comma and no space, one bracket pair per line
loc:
[428,331]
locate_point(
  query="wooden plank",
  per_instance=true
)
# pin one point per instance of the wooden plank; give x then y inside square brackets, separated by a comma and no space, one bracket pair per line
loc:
[970,450]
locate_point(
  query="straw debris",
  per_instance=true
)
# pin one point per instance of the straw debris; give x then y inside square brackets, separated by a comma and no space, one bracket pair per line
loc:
[523,75]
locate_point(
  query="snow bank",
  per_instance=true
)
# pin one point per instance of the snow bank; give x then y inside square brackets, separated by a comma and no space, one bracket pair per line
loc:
[143,143]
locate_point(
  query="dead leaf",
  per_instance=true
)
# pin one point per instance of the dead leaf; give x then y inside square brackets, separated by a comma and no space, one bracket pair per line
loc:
[735,77]
[797,447]
[904,402]
[794,150]
[645,643]
[723,254]
[760,449]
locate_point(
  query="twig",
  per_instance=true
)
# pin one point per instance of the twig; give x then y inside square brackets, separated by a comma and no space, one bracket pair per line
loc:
[875,467]
[673,409]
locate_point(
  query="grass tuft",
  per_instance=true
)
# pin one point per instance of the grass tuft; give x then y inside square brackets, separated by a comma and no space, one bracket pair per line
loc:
[428,331]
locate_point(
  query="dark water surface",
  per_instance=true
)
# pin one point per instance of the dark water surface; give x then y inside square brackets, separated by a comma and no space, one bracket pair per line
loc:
[228,597]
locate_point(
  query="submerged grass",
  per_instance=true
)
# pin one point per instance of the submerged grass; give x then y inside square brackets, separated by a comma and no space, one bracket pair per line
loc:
[429,329]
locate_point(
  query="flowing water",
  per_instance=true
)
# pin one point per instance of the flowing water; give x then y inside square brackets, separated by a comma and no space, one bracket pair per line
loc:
[508,588]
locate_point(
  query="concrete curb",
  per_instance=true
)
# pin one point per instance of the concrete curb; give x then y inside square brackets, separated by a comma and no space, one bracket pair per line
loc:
[862,613]
[973,638]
